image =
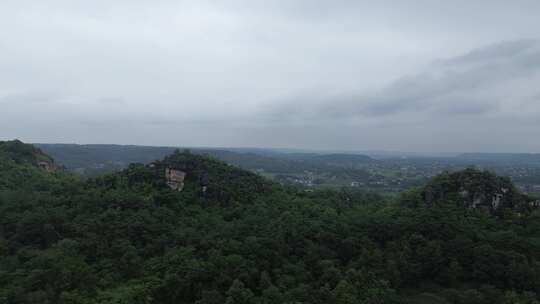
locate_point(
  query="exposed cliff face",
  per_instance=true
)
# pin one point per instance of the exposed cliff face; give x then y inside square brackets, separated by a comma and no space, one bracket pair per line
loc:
[185,172]
[474,189]
[175,178]
[217,180]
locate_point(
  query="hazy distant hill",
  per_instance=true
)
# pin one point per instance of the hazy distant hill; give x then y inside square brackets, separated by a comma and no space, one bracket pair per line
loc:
[344,160]
[521,158]
[80,156]
[106,158]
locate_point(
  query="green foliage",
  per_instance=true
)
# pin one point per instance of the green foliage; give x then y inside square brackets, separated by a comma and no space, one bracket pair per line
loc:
[20,153]
[128,238]
[474,189]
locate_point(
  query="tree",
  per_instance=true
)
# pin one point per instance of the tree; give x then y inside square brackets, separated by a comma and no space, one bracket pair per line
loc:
[239,294]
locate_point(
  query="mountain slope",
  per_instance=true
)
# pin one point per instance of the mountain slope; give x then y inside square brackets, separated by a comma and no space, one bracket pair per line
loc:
[21,153]
[130,238]
[475,189]
[225,184]
[24,166]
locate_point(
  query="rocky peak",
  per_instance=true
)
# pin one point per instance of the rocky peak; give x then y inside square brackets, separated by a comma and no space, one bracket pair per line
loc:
[175,178]
[473,189]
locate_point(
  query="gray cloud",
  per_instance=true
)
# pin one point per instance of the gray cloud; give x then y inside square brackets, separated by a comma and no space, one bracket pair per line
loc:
[500,51]
[409,75]
[468,84]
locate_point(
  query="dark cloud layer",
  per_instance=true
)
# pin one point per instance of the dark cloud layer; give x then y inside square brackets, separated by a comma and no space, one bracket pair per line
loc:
[460,85]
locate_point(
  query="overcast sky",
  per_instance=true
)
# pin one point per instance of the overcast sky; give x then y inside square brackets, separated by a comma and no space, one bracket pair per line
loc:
[415,75]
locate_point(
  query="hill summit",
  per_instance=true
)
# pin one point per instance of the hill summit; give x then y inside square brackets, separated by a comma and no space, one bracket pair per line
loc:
[475,189]
[195,174]
[21,153]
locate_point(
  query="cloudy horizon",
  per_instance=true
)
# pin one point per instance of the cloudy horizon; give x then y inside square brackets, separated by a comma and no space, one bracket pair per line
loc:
[418,76]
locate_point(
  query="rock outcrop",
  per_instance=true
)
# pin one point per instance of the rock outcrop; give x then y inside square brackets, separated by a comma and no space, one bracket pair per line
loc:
[474,189]
[175,178]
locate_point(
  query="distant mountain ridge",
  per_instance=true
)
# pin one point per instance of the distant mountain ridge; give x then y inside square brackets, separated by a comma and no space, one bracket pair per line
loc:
[119,156]
[507,157]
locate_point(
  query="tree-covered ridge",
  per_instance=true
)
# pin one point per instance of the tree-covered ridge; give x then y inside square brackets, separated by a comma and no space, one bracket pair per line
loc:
[20,152]
[226,184]
[23,166]
[128,238]
[476,189]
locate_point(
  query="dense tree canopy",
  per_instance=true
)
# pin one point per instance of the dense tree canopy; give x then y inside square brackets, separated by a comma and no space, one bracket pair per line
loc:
[128,238]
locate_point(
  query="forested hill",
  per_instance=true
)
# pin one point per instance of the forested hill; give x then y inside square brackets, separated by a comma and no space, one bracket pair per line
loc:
[131,238]
[24,166]
[475,189]
[226,184]
[19,152]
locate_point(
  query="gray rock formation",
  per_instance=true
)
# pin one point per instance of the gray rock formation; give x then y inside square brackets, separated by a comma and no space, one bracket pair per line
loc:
[175,178]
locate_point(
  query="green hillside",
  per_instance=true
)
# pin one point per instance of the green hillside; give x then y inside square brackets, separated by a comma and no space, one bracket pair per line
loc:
[476,189]
[129,238]
[20,153]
